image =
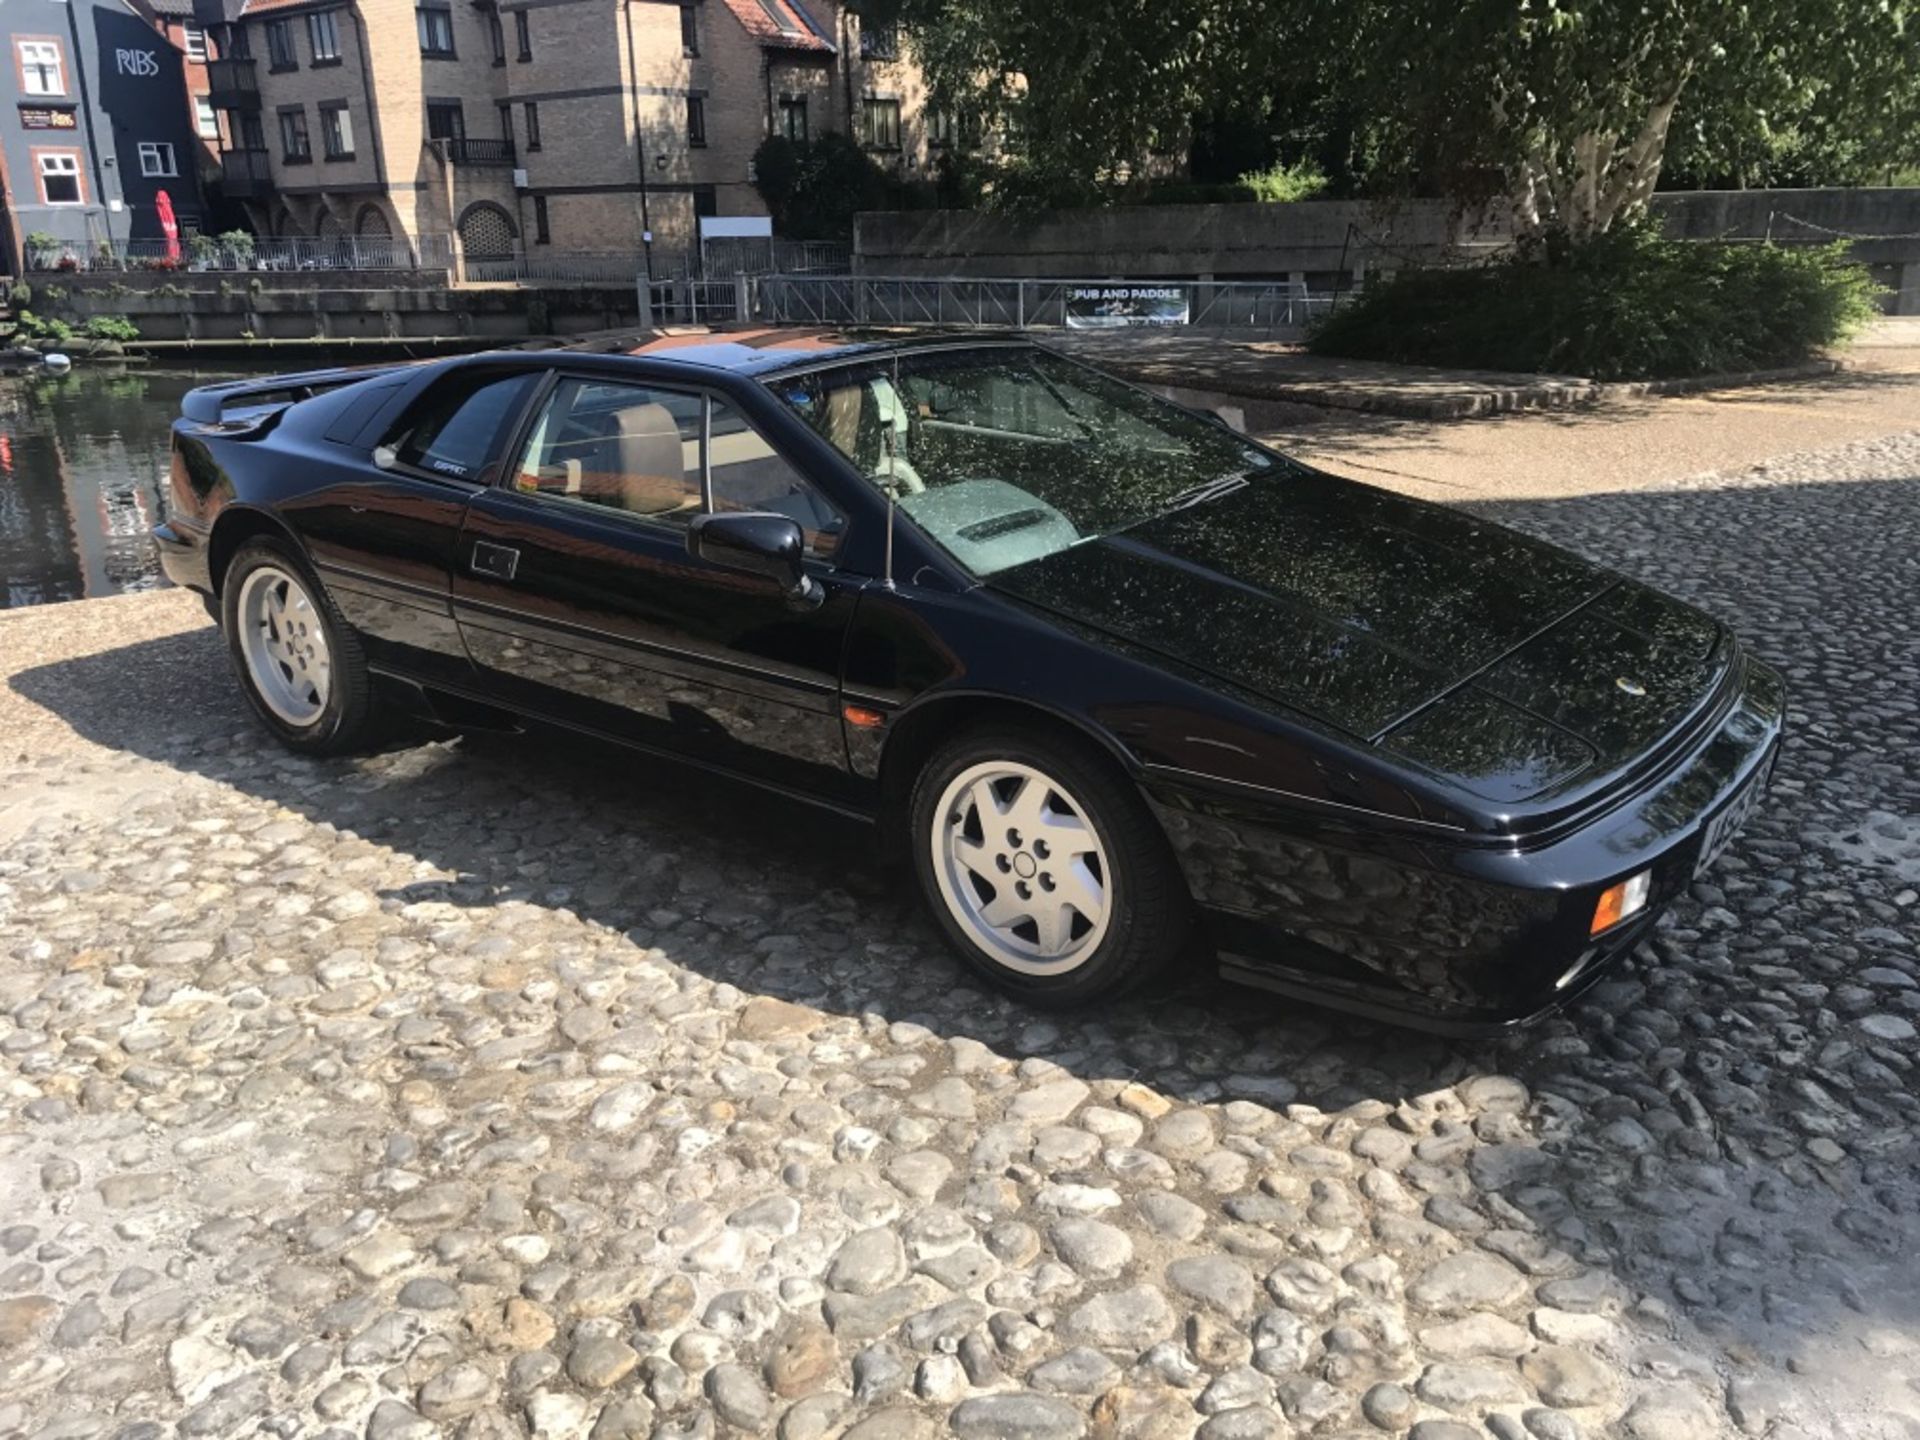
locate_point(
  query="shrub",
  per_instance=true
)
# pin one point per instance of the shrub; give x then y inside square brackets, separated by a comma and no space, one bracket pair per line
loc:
[203,249]
[814,188]
[1279,184]
[20,294]
[111,327]
[240,242]
[36,327]
[1630,305]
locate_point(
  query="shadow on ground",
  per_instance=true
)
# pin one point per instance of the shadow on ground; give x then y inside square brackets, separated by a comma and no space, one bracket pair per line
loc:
[1721,1132]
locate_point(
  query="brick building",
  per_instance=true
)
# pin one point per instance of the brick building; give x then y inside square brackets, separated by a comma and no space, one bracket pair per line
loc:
[565,123]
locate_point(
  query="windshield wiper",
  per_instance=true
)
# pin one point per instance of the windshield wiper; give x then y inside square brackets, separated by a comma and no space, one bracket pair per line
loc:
[1205,491]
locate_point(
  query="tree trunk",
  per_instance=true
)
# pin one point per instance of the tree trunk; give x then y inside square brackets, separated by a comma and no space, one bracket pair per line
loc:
[1581,185]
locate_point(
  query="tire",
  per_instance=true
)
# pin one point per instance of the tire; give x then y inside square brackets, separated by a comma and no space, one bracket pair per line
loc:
[1068,830]
[305,675]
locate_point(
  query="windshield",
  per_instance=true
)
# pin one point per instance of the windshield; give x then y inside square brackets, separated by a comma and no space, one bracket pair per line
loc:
[1007,455]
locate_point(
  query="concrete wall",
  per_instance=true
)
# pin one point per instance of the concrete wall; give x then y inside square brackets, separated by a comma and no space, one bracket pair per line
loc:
[1317,241]
[363,314]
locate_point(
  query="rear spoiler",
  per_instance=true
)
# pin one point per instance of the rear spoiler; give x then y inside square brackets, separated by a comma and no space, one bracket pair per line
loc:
[208,404]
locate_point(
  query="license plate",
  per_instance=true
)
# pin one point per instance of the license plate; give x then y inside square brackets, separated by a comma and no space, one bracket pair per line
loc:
[1724,826]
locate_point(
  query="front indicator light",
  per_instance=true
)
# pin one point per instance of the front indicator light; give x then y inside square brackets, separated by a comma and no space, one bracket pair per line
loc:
[1618,902]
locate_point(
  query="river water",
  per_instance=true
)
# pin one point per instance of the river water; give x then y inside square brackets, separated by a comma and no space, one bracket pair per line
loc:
[83,472]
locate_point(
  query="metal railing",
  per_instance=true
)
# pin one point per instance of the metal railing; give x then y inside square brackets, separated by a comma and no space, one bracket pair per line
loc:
[246,173]
[205,253]
[1014,303]
[542,266]
[696,302]
[233,84]
[724,256]
[462,151]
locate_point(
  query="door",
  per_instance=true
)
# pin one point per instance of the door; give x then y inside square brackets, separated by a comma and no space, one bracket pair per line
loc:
[578,600]
[382,533]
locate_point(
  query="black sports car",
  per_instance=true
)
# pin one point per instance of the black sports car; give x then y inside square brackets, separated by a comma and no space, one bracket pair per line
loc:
[1128,687]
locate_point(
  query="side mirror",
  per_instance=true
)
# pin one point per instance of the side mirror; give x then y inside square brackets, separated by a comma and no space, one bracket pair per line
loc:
[757,543]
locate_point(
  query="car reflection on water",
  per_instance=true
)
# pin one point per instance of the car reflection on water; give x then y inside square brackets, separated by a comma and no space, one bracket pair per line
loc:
[83,466]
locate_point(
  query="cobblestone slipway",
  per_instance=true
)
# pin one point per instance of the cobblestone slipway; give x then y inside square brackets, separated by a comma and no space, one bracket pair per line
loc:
[504,1088]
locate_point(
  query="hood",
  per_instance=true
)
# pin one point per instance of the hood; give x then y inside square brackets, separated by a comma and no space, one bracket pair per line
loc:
[1361,609]
[1352,605]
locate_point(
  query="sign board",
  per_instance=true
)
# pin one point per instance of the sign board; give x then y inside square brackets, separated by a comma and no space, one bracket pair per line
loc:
[712,227]
[1106,307]
[47,117]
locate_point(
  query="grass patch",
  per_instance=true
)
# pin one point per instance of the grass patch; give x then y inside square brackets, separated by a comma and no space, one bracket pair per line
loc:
[1631,305]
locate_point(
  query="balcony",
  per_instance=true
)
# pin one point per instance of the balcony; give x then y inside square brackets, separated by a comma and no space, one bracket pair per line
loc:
[462,151]
[246,174]
[231,85]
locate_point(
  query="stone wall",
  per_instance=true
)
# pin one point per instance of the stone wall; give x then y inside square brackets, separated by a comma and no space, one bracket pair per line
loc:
[1321,242]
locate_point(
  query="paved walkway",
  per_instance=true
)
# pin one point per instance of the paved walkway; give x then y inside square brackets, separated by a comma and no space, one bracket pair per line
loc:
[495,1089]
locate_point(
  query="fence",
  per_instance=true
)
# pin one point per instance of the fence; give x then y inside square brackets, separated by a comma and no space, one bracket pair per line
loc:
[697,302]
[716,260]
[724,256]
[1279,305]
[207,253]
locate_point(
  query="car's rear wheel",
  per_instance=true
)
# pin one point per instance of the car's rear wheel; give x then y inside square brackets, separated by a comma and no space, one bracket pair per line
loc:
[1044,867]
[298,661]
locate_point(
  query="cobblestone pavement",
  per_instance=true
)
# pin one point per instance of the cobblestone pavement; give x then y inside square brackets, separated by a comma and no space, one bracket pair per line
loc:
[504,1088]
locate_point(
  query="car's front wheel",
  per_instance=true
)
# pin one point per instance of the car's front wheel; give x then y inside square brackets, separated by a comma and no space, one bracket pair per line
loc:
[1044,867]
[298,661]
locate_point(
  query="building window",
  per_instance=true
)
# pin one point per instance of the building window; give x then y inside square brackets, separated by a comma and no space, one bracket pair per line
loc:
[541,234]
[336,130]
[446,120]
[777,13]
[205,121]
[689,31]
[880,123]
[533,125]
[325,39]
[193,40]
[236,42]
[793,117]
[156,160]
[506,120]
[280,54]
[523,34]
[497,37]
[436,30]
[879,42]
[253,134]
[59,176]
[696,120]
[42,69]
[295,148]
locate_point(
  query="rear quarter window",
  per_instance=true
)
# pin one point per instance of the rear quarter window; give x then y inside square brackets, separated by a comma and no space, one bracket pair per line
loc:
[460,425]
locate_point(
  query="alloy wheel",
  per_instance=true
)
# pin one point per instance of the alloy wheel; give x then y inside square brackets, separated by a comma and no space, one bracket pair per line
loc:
[284,643]
[1022,868]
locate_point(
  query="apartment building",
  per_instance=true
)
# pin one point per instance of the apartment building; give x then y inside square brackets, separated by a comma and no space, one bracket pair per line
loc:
[175,20]
[576,124]
[95,127]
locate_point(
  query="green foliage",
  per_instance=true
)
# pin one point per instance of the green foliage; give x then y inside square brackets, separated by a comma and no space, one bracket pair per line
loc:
[1566,108]
[54,292]
[240,242]
[20,294]
[1630,305]
[1283,184]
[814,188]
[111,327]
[41,240]
[203,249]
[1199,192]
[30,326]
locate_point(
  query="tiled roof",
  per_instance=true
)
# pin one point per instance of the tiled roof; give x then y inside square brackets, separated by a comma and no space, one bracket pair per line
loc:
[172,9]
[781,25]
[256,7]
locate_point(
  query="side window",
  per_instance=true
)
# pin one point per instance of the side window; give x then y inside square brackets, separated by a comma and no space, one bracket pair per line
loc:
[622,447]
[749,474]
[459,426]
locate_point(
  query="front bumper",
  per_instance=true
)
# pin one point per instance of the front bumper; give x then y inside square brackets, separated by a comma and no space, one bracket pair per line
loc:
[1451,936]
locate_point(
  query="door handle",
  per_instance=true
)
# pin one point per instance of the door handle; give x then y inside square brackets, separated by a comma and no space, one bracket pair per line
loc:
[499,561]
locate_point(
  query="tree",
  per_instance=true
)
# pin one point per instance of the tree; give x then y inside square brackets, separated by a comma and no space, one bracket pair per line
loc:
[1565,106]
